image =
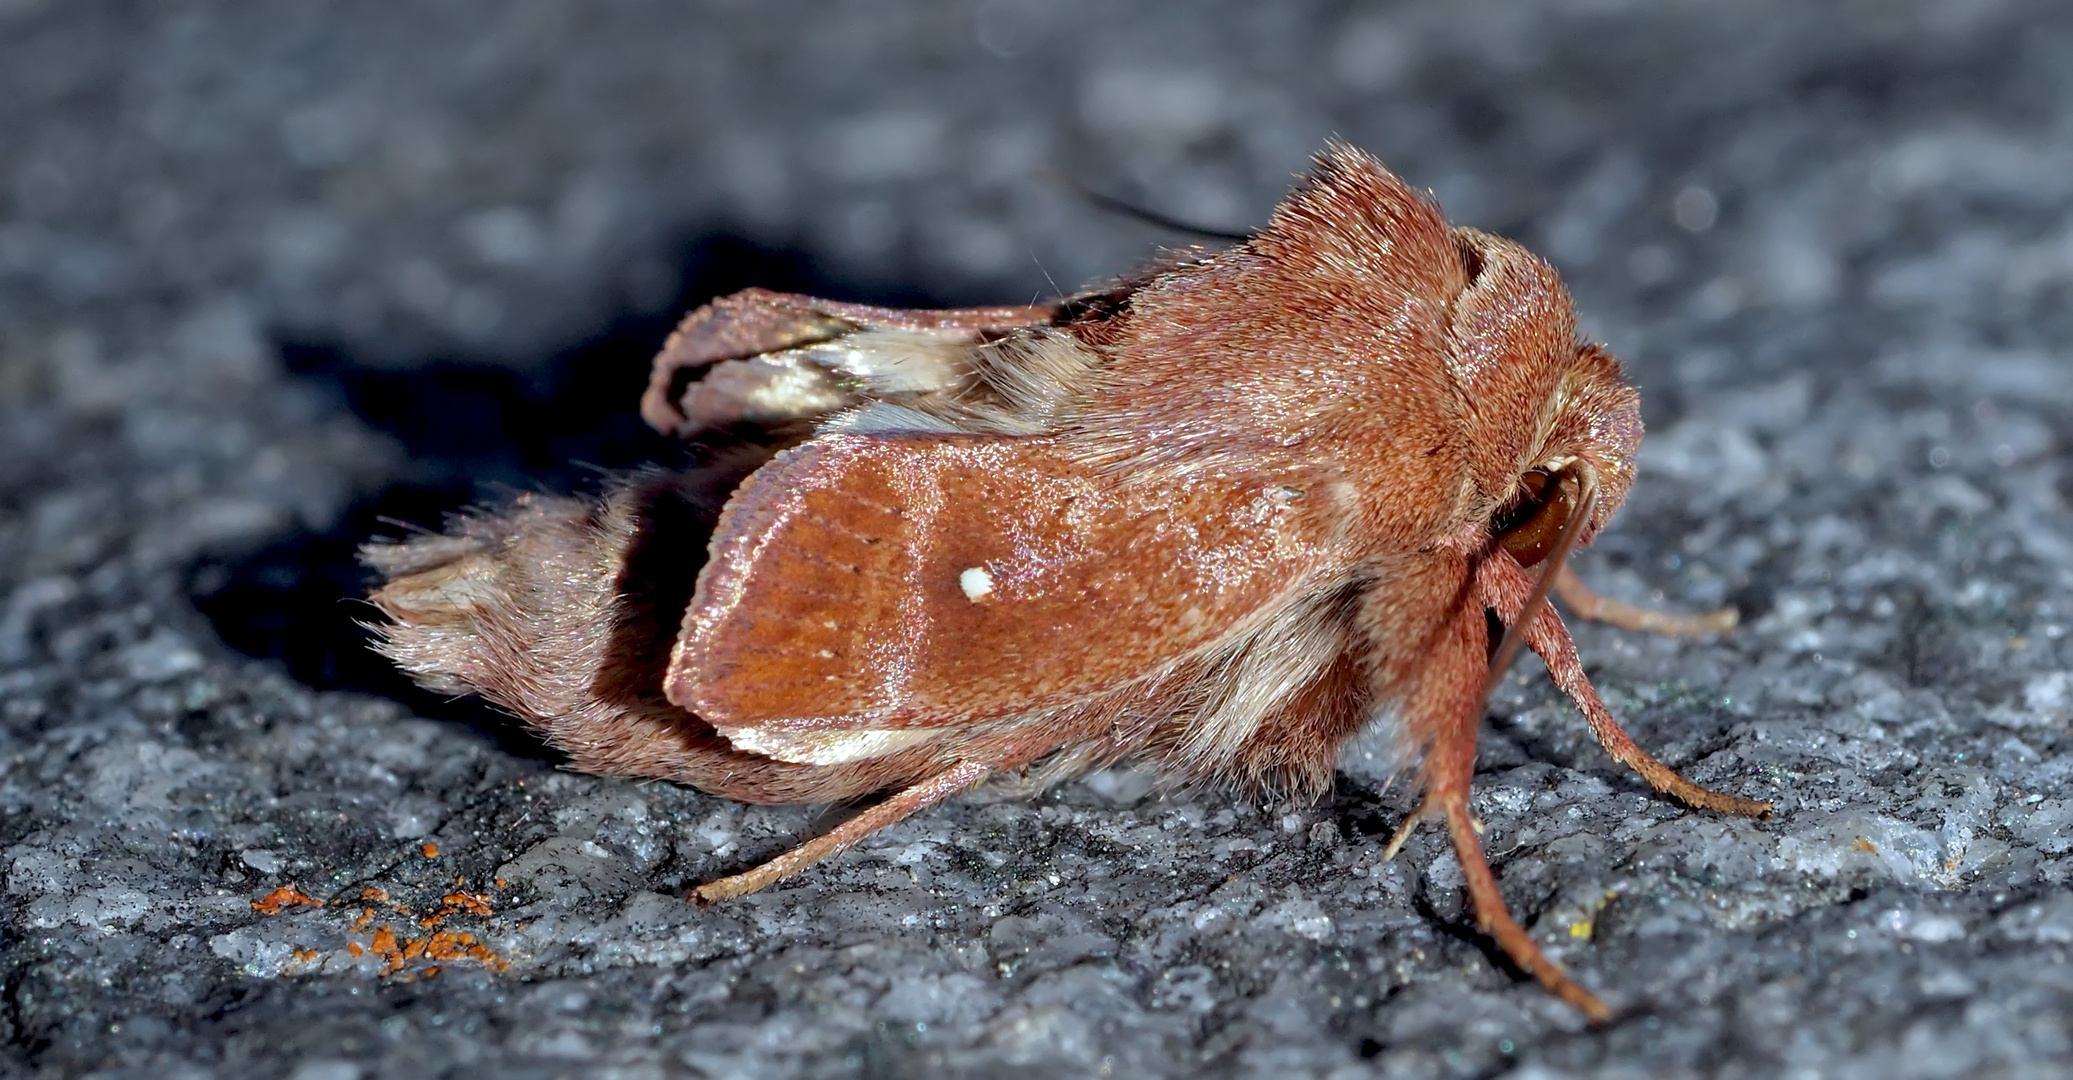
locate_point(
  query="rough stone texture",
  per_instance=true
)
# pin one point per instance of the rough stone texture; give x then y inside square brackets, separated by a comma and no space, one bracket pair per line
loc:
[269,271]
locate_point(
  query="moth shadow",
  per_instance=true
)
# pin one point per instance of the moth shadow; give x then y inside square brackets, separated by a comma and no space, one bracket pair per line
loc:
[673,518]
[298,603]
[1460,925]
[1365,812]
[1508,742]
[475,433]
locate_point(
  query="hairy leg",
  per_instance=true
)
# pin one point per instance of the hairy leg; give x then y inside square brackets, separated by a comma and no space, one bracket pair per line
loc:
[1446,705]
[846,835]
[1504,587]
[1589,605]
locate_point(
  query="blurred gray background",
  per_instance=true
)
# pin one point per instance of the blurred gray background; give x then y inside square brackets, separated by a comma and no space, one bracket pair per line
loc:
[275,277]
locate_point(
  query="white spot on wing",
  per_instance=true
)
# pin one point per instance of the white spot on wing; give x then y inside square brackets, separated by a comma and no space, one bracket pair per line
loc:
[977,583]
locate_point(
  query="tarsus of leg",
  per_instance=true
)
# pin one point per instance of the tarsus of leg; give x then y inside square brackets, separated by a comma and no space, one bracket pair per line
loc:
[1494,920]
[844,836]
[1403,833]
[1448,798]
[1551,640]
[1506,586]
[1595,608]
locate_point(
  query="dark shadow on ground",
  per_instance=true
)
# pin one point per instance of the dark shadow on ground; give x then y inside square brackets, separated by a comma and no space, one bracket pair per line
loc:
[475,432]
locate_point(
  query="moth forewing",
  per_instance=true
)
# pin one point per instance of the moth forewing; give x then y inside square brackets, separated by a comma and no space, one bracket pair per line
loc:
[839,590]
[765,357]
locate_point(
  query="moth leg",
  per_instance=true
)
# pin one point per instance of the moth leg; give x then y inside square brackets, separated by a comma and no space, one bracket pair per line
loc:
[1548,638]
[845,836]
[1491,916]
[1503,587]
[1448,701]
[1589,605]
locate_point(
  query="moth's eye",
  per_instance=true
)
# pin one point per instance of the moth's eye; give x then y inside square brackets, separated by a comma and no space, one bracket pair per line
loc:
[1529,524]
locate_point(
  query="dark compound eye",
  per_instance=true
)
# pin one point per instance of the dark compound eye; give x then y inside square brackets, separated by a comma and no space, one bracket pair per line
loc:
[1529,525]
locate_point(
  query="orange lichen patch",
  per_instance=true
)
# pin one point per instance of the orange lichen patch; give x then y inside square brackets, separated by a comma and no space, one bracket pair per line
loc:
[385,943]
[398,953]
[472,903]
[501,885]
[373,895]
[455,945]
[1866,845]
[286,896]
[302,961]
[448,945]
[458,903]
[429,849]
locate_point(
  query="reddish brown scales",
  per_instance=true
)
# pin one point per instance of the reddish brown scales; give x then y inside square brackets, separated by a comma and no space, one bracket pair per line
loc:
[935,580]
[1217,521]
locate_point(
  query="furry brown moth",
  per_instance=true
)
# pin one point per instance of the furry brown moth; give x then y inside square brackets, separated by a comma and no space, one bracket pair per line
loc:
[1217,519]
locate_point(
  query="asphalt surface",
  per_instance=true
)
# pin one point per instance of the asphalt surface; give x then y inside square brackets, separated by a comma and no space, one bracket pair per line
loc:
[272,274]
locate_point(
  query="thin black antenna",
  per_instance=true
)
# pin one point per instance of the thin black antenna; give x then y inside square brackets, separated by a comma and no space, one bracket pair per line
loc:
[1131,210]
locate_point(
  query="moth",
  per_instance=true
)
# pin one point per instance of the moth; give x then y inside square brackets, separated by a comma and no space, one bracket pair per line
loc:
[1219,518]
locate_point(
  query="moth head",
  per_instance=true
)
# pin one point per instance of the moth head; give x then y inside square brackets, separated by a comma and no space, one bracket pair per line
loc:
[1583,463]
[1546,416]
